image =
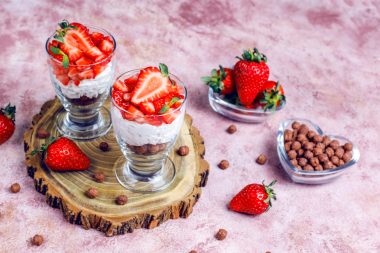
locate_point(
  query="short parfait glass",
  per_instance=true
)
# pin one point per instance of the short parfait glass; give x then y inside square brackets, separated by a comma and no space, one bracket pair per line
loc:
[146,142]
[82,89]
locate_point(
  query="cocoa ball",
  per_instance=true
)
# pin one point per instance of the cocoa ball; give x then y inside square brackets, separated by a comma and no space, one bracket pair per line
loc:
[183,151]
[103,146]
[318,167]
[288,146]
[302,162]
[296,125]
[326,140]
[314,161]
[92,193]
[224,164]
[335,160]
[261,159]
[15,188]
[121,200]
[140,150]
[295,134]
[231,129]
[153,149]
[317,151]
[347,157]
[221,234]
[311,134]
[308,154]
[288,135]
[327,165]
[296,145]
[334,144]
[292,154]
[323,158]
[99,177]
[301,138]
[294,162]
[37,240]
[317,138]
[42,133]
[304,129]
[339,152]
[348,147]
[309,146]
[341,162]
[320,145]
[329,152]
[300,152]
[308,167]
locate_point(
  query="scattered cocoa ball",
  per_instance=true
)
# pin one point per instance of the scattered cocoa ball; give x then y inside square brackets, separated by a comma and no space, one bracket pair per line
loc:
[335,160]
[261,159]
[326,140]
[323,158]
[288,135]
[347,157]
[334,144]
[296,125]
[329,152]
[183,151]
[37,240]
[292,154]
[288,146]
[193,251]
[314,161]
[231,129]
[302,162]
[301,138]
[103,146]
[311,134]
[304,129]
[99,177]
[224,164]
[121,200]
[42,133]
[92,193]
[339,152]
[317,138]
[309,145]
[308,167]
[15,188]
[318,151]
[308,154]
[221,234]
[348,146]
[296,145]
[294,162]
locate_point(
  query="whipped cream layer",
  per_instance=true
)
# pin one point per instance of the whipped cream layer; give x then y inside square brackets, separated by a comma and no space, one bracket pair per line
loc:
[88,87]
[137,134]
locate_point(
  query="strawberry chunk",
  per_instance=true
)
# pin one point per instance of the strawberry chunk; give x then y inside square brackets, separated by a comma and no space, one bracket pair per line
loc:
[82,38]
[98,68]
[170,116]
[151,85]
[120,86]
[96,38]
[83,61]
[131,82]
[127,97]
[147,108]
[64,79]
[95,54]
[153,120]
[158,104]
[72,52]
[73,72]
[132,113]
[86,74]
[106,45]
[80,27]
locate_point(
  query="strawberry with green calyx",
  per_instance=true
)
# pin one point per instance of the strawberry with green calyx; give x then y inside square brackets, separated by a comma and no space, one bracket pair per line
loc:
[7,122]
[63,155]
[250,74]
[220,81]
[167,106]
[65,58]
[273,96]
[253,199]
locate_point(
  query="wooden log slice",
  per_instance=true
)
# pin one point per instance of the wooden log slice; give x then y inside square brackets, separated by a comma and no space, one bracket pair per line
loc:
[66,190]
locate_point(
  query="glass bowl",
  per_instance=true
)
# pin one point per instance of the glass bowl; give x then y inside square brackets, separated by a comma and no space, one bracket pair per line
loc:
[238,113]
[311,177]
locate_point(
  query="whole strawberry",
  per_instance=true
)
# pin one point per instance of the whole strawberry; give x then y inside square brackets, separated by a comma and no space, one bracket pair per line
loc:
[221,81]
[7,122]
[272,96]
[64,155]
[253,199]
[250,74]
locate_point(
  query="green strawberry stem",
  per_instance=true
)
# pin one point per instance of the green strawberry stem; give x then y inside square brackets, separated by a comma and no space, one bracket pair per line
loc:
[65,58]
[273,98]
[9,111]
[270,192]
[44,146]
[253,56]
[166,107]
[164,69]
[215,81]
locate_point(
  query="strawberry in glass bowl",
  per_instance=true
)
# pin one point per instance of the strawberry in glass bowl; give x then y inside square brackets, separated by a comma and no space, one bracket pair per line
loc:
[245,92]
[148,110]
[81,62]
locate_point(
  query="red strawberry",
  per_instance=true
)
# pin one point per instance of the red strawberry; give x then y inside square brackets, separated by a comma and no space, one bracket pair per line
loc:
[64,79]
[73,71]
[169,116]
[95,54]
[147,108]
[272,96]
[98,68]
[221,81]
[153,120]
[7,122]
[72,52]
[64,155]
[152,84]
[158,104]
[96,37]
[119,85]
[80,27]
[253,199]
[83,61]
[131,82]
[82,38]
[133,113]
[127,97]
[106,45]
[117,96]
[250,75]
[86,74]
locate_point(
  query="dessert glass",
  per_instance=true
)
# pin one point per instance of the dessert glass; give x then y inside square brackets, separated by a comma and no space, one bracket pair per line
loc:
[146,141]
[83,116]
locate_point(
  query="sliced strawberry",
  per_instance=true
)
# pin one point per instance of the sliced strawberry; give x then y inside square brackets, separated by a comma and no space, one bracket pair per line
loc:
[151,85]
[132,113]
[158,104]
[95,54]
[127,97]
[72,52]
[117,96]
[86,74]
[73,72]
[153,120]
[147,108]
[64,79]
[170,116]
[83,61]
[79,26]
[98,68]
[120,86]
[106,45]
[82,38]
[131,82]
[177,104]
[96,37]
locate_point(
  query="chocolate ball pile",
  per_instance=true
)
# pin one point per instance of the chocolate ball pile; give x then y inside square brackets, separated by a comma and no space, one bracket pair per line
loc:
[312,152]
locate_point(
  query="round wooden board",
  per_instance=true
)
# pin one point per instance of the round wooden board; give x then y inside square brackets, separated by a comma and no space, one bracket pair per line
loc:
[66,190]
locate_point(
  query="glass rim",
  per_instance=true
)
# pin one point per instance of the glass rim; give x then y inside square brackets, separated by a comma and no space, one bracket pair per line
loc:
[88,65]
[133,71]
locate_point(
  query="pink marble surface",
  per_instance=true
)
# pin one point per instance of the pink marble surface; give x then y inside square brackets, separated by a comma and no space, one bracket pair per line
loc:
[327,55]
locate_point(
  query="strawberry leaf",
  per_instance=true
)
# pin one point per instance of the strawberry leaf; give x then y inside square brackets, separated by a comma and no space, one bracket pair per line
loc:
[166,107]
[55,50]
[164,69]
[65,61]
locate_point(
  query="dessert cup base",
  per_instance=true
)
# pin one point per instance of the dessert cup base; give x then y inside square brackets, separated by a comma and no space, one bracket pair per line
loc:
[144,184]
[84,132]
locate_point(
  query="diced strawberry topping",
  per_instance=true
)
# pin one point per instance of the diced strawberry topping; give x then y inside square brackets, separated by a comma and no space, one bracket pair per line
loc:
[127,97]
[86,74]
[83,61]
[147,108]
[73,72]
[132,113]
[153,120]
[95,54]
[170,116]
[72,52]
[82,38]
[98,68]
[131,82]
[158,104]
[96,38]
[80,27]
[106,45]
[151,85]
[64,79]
[119,85]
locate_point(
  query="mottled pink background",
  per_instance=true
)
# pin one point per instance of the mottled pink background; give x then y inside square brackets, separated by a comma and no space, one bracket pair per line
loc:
[327,55]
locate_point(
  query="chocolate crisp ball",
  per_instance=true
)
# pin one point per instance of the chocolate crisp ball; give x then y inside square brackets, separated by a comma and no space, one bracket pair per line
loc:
[103,146]
[329,152]
[224,164]
[92,193]
[317,151]
[320,145]
[37,240]
[302,162]
[341,162]
[221,234]
[99,177]
[301,138]
[326,140]
[296,125]
[335,160]
[183,151]
[140,150]
[296,145]
[292,154]
[309,145]
[339,152]
[288,145]
[347,157]
[300,152]
[295,134]
[347,146]
[121,200]
[318,167]
[317,138]
[308,154]
[42,133]
[314,161]
[308,167]
[323,158]
[328,165]
[231,129]
[304,129]
[15,188]
[334,144]
[261,159]
[288,135]
[294,162]
[311,134]
[153,149]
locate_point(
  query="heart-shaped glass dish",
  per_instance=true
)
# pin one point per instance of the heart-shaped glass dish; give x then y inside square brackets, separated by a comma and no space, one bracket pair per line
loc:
[311,177]
[238,113]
